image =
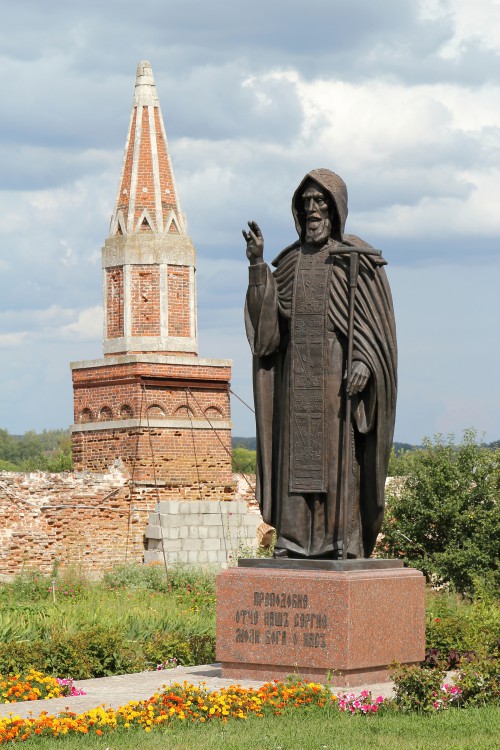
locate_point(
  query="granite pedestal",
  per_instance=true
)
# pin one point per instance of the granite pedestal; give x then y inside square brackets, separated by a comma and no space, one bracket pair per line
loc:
[345,624]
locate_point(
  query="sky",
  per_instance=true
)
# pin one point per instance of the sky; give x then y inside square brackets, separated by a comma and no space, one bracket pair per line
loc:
[399,97]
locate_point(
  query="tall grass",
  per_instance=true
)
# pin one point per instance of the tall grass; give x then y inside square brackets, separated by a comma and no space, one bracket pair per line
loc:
[132,619]
[135,600]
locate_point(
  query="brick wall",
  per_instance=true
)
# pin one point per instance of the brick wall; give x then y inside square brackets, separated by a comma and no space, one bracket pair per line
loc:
[114,302]
[126,400]
[190,464]
[145,192]
[152,369]
[124,192]
[145,300]
[179,307]
[190,460]
[79,519]
[167,187]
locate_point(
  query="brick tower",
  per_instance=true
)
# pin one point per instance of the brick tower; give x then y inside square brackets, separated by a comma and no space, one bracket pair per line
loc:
[151,403]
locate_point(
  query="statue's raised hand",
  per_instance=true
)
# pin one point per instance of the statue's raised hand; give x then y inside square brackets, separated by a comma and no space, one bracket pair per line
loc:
[255,243]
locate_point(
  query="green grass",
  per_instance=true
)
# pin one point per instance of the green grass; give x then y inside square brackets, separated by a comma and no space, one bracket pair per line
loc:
[456,729]
[133,619]
[137,601]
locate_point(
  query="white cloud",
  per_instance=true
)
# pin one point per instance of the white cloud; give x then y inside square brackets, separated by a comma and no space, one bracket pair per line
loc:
[87,326]
[475,21]
[13,340]
[426,152]
[52,324]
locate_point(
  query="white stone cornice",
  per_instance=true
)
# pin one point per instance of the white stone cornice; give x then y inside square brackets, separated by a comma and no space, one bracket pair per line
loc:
[167,424]
[147,248]
[150,359]
[151,344]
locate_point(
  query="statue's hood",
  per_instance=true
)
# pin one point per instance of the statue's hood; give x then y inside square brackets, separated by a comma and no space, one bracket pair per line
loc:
[336,189]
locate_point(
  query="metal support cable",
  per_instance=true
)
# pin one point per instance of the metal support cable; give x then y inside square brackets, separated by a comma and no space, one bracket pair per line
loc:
[240,399]
[153,462]
[194,444]
[131,482]
[221,441]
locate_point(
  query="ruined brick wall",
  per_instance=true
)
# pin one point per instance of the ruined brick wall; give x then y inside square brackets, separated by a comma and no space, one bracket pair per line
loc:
[81,519]
[87,520]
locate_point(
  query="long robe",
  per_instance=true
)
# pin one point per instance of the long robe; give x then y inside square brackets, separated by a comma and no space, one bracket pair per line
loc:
[309,524]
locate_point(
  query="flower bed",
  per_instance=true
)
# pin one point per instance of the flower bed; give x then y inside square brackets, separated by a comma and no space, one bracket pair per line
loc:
[188,703]
[34,686]
[416,690]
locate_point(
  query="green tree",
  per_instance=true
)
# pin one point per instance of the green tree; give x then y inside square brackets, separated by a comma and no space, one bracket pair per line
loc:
[244,460]
[49,450]
[443,517]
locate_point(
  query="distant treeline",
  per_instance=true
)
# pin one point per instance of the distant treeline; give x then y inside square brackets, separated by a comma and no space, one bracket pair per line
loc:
[244,456]
[50,450]
[250,444]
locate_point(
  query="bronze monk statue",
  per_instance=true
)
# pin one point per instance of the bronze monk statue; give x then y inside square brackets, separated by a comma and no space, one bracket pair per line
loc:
[324,434]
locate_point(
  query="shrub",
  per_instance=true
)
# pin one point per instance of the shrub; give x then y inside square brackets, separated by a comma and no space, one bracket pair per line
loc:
[416,688]
[479,681]
[443,518]
[96,652]
[100,652]
[422,690]
[197,649]
[456,629]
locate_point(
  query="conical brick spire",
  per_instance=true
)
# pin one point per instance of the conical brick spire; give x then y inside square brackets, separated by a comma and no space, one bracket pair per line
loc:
[149,260]
[147,197]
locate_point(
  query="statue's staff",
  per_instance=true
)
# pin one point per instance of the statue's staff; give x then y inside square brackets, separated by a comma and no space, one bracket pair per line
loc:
[354,253]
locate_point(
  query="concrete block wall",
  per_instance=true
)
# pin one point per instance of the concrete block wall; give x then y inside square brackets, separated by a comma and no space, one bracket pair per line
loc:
[200,531]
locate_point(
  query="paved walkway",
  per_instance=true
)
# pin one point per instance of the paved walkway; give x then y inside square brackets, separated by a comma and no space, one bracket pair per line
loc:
[119,690]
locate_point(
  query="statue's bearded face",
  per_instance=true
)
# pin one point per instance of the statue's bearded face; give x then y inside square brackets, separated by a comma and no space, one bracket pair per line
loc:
[317,215]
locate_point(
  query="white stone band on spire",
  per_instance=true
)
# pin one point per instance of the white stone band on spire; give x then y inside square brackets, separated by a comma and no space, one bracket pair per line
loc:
[145,87]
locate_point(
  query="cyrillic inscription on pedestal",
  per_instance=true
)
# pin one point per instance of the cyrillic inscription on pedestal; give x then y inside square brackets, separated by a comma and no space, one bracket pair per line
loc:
[280,619]
[352,624]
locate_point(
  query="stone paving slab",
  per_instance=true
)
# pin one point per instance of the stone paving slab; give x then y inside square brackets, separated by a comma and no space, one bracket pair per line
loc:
[118,690]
